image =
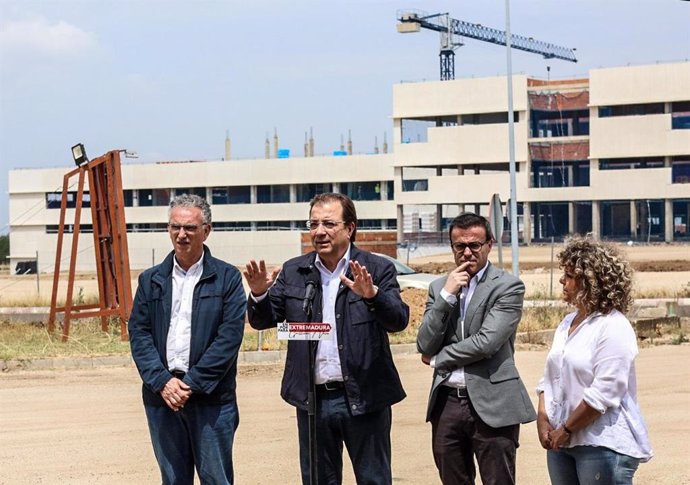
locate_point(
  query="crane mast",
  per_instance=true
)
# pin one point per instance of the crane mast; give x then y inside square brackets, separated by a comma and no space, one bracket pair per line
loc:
[453,30]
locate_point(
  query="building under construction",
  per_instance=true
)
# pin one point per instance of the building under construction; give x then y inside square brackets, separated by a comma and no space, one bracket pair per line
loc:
[608,154]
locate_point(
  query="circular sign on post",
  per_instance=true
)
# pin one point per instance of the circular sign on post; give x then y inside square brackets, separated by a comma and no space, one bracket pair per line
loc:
[496,217]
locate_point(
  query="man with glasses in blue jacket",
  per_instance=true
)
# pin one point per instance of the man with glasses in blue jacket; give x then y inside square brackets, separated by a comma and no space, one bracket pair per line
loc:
[185,331]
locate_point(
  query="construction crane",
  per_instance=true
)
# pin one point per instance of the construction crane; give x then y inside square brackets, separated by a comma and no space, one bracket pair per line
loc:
[453,30]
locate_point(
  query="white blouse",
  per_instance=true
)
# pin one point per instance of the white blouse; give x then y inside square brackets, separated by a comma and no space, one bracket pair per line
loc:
[597,363]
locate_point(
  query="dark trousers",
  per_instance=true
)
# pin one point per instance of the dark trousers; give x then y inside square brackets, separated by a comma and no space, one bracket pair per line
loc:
[198,436]
[458,433]
[366,437]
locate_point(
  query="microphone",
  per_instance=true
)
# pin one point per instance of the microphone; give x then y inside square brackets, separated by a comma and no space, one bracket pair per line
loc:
[309,293]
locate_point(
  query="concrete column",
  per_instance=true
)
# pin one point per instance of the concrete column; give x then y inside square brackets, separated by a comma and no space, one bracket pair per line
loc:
[135,198]
[596,219]
[526,223]
[384,189]
[400,221]
[293,193]
[252,199]
[438,222]
[633,220]
[668,220]
[572,216]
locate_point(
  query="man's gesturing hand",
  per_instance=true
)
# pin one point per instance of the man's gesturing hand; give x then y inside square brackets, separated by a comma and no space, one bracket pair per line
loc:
[458,278]
[258,279]
[361,284]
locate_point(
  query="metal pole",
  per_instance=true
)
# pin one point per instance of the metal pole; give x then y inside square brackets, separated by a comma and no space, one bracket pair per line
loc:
[551,278]
[511,150]
[311,403]
[38,278]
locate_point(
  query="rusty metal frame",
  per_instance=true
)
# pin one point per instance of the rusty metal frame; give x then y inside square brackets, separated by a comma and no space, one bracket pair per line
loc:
[110,246]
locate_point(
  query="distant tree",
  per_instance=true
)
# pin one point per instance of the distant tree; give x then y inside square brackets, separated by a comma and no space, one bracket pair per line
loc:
[4,249]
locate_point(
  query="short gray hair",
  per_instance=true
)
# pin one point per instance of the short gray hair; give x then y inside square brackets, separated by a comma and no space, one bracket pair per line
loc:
[192,200]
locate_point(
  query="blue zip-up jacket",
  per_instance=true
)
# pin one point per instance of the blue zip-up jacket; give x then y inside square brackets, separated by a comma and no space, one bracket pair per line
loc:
[218,310]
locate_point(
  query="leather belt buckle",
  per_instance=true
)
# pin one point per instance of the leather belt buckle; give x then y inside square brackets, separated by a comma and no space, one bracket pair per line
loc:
[330,386]
[459,392]
[333,385]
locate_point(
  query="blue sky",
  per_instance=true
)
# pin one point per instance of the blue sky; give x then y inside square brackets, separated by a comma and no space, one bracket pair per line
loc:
[169,78]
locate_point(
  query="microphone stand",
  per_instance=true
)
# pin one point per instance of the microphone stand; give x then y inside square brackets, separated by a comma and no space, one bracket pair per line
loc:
[311,401]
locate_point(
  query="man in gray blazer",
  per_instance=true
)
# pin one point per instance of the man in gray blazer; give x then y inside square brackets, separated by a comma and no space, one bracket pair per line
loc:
[477,399]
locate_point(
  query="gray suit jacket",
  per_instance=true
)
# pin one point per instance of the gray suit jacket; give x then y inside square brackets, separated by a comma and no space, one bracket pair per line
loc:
[485,351]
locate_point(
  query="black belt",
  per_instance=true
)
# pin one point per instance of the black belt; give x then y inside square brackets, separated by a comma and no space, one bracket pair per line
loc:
[330,386]
[179,374]
[460,392]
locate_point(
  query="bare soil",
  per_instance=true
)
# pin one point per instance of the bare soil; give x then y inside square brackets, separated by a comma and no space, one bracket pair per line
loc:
[83,427]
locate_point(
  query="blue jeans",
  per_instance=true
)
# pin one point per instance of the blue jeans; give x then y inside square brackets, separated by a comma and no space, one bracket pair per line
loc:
[367,438]
[590,465]
[198,436]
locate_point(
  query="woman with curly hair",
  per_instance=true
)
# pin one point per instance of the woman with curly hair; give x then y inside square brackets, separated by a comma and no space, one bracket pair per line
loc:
[589,420]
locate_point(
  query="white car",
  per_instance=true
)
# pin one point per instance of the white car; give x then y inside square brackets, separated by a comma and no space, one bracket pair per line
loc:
[409,278]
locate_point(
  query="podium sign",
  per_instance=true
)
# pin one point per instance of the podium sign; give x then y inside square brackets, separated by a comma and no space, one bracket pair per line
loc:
[305,331]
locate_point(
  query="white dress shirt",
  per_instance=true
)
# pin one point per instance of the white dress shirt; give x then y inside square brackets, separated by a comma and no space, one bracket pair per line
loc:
[180,331]
[327,363]
[457,377]
[597,363]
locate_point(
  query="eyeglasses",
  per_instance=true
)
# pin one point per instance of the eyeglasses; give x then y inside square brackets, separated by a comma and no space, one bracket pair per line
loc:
[188,228]
[474,246]
[328,225]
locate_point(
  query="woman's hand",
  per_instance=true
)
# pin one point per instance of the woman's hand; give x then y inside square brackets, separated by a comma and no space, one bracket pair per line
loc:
[558,438]
[544,429]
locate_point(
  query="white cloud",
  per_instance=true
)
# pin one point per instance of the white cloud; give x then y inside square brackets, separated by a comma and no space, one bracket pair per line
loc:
[39,37]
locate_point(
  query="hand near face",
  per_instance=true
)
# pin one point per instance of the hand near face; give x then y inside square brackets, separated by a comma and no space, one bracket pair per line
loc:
[361,284]
[458,278]
[258,278]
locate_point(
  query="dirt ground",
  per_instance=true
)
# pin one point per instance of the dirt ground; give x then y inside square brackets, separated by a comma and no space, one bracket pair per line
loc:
[80,427]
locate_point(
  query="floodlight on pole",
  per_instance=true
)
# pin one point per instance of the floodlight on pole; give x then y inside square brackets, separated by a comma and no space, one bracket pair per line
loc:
[79,155]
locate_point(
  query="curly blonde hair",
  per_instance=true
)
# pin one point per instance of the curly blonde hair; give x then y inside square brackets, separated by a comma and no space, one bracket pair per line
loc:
[604,277]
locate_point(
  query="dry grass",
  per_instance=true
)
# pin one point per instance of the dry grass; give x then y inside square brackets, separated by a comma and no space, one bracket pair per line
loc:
[533,318]
[21,341]
[24,341]
[79,297]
